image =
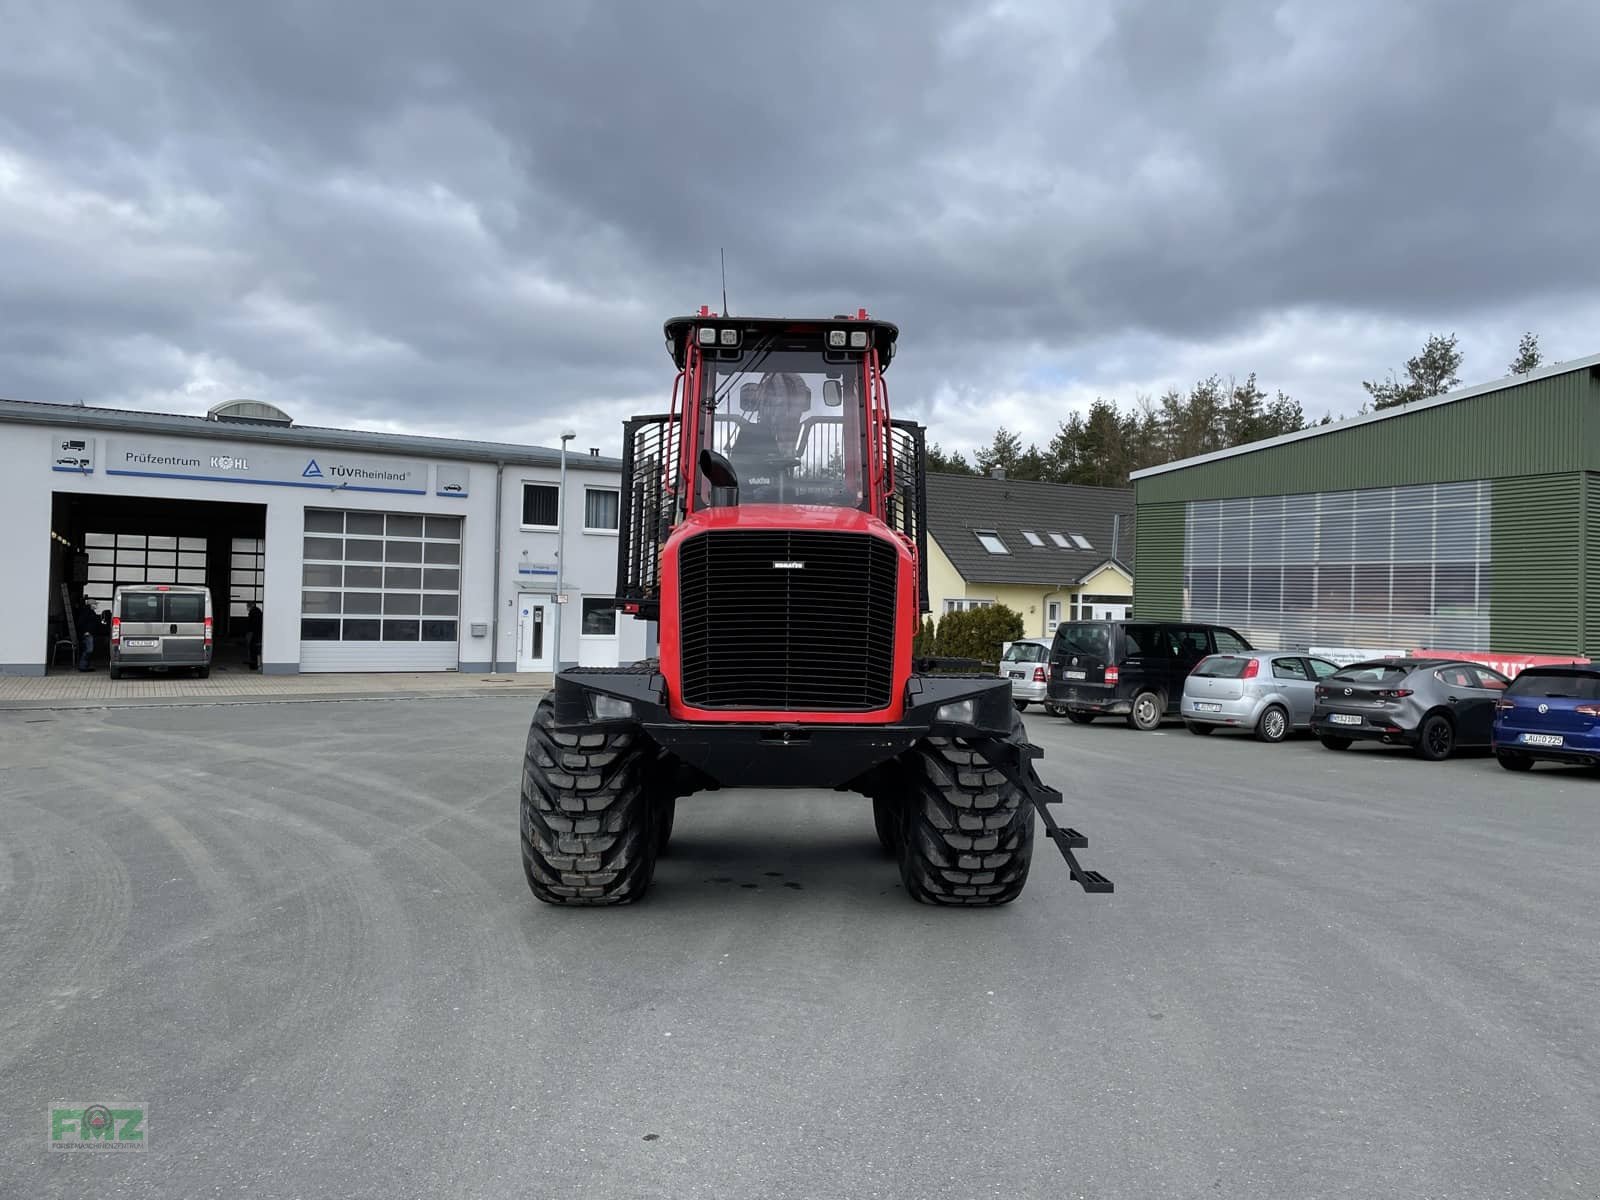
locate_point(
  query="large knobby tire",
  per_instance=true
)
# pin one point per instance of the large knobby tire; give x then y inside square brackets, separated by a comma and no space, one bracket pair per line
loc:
[1147,711]
[1436,738]
[966,835]
[1334,743]
[1079,718]
[1199,727]
[886,820]
[1273,725]
[1022,705]
[591,829]
[666,814]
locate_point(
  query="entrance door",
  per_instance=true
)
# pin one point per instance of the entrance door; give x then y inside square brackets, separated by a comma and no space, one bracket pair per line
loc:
[535,632]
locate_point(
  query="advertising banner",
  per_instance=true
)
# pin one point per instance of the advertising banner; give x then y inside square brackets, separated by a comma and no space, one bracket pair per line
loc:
[217,462]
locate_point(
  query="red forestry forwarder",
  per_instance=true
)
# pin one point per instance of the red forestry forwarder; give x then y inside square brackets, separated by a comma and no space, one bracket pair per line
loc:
[773,523]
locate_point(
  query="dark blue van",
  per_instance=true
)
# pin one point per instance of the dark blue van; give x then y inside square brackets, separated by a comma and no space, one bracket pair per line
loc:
[1550,713]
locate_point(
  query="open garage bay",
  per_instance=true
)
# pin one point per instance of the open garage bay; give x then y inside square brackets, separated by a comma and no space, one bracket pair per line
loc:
[300,934]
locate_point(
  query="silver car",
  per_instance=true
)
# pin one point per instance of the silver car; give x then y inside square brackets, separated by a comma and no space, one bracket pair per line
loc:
[1026,663]
[1269,692]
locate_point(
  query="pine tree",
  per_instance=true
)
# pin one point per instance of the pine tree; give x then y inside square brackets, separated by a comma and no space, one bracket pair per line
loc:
[1528,356]
[1431,373]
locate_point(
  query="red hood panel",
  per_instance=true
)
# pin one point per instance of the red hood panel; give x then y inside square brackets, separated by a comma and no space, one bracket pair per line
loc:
[781,516]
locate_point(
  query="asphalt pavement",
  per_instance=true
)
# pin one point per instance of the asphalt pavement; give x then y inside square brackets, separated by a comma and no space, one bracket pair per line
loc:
[300,934]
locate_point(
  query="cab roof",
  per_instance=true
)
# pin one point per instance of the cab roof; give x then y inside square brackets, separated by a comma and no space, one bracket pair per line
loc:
[884,333]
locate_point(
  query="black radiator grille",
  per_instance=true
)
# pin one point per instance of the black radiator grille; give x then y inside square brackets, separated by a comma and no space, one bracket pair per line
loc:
[817,638]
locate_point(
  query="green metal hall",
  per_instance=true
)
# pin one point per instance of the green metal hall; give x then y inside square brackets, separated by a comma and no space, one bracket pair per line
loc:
[1470,521]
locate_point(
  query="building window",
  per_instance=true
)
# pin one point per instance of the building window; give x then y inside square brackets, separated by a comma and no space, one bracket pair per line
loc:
[1032,538]
[1060,540]
[541,505]
[951,606]
[1380,568]
[1081,542]
[362,578]
[1053,613]
[599,616]
[990,541]
[600,510]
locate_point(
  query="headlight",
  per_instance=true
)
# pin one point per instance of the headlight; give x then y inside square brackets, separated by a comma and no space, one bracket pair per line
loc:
[961,712]
[609,708]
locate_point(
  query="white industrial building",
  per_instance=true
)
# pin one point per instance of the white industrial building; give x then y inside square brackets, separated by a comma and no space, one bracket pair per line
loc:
[366,551]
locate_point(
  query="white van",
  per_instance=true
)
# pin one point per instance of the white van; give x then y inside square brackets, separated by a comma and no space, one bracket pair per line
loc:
[161,625]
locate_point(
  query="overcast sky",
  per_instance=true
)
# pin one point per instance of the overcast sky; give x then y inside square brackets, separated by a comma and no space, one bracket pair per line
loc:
[471,219]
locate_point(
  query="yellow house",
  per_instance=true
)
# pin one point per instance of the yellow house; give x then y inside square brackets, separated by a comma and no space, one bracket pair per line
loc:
[1052,552]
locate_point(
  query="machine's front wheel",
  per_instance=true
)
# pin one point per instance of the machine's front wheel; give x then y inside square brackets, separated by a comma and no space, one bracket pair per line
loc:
[966,834]
[591,829]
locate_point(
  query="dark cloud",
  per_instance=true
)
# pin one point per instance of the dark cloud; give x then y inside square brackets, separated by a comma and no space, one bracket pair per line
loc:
[473,218]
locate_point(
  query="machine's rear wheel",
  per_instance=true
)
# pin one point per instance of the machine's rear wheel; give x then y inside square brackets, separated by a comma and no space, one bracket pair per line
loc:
[666,814]
[591,828]
[886,819]
[966,834]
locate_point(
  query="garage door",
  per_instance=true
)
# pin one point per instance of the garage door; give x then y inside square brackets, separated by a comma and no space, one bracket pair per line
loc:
[380,591]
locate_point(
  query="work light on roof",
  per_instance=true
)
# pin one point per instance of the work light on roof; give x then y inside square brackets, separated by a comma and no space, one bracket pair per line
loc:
[838,339]
[730,337]
[708,335]
[858,339]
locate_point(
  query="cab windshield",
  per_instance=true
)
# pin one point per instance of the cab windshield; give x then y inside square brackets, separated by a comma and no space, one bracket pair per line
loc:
[790,423]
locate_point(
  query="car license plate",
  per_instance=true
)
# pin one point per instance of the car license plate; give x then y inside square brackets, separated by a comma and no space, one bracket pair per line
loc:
[1074,675]
[1541,739]
[1017,675]
[1202,706]
[141,643]
[1344,718]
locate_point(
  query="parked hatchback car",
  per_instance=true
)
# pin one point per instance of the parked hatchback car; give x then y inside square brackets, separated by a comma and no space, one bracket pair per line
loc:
[1549,713]
[161,625]
[1269,692]
[1025,663]
[1134,669]
[1435,706]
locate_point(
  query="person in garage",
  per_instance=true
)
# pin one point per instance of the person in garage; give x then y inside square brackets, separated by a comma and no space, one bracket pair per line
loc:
[253,625]
[87,622]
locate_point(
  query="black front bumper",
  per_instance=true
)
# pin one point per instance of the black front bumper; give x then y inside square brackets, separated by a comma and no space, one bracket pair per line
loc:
[784,753]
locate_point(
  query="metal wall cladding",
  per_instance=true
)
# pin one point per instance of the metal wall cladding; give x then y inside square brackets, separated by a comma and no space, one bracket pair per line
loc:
[1546,426]
[1591,565]
[1386,568]
[1158,558]
[1539,569]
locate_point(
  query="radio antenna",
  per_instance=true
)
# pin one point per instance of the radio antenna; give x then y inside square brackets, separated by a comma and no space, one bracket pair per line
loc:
[722,255]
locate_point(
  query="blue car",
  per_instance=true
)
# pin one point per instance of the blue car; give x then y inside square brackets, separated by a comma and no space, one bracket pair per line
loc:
[1550,713]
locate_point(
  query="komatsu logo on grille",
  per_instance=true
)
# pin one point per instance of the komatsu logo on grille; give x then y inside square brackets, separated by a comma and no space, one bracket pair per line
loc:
[790,566]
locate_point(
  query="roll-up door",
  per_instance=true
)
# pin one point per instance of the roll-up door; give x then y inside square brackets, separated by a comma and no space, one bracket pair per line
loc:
[380,591]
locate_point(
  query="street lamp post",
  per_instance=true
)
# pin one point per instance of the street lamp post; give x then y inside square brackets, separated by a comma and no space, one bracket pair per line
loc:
[561,546]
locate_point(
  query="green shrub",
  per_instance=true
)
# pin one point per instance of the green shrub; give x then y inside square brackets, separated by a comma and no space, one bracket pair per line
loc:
[978,632]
